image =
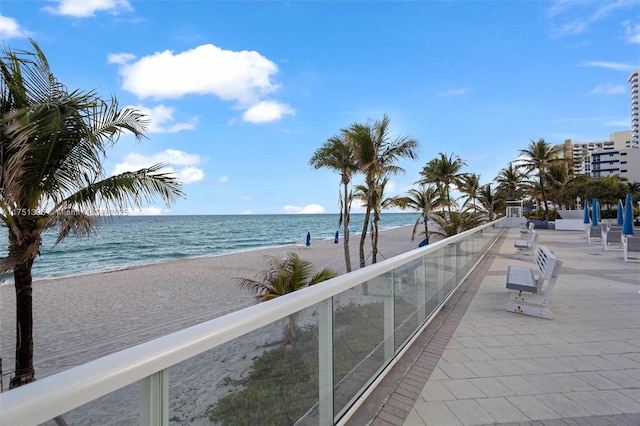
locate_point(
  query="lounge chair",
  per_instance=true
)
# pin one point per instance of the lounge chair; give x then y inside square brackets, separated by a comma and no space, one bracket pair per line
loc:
[594,232]
[611,239]
[631,244]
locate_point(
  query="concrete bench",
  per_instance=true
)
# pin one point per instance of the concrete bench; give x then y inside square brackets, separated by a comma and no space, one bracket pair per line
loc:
[530,295]
[527,246]
[631,244]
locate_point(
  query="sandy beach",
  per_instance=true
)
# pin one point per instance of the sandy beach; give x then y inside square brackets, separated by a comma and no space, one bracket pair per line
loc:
[80,318]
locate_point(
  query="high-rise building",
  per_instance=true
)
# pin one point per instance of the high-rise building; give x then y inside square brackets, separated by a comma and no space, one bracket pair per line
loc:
[634,80]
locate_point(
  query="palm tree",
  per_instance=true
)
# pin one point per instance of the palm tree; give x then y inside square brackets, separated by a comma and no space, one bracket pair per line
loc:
[51,151]
[455,222]
[283,276]
[424,200]
[510,181]
[539,156]
[336,155]
[489,200]
[376,154]
[444,171]
[470,185]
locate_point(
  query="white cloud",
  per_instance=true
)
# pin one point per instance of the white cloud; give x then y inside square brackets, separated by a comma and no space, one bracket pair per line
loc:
[146,211]
[120,58]
[454,92]
[267,111]
[87,8]
[190,175]
[186,174]
[608,89]
[610,65]
[588,13]
[632,32]
[308,209]
[244,77]
[223,179]
[239,76]
[162,121]
[9,28]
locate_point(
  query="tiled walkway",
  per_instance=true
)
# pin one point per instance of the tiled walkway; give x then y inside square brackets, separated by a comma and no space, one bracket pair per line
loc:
[477,364]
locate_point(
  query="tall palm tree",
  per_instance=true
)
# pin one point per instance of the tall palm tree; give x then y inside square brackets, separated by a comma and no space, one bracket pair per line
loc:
[52,144]
[376,153]
[444,171]
[425,200]
[283,276]
[538,157]
[336,155]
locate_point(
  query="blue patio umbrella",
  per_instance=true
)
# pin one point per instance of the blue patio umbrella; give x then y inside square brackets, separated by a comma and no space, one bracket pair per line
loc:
[586,219]
[594,212]
[619,215]
[627,224]
[308,239]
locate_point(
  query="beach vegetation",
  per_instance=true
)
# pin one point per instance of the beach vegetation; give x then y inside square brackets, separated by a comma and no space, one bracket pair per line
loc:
[284,275]
[53,142]
[335,154]
[282,383]
[376,153]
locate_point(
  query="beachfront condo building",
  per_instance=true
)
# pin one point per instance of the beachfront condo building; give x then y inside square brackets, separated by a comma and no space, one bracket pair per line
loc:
[615,156]
[634,80]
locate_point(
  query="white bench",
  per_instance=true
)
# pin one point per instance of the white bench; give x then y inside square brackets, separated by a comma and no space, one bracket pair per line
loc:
[631,244]
[531,296]
[594,232]
[527,246]
[526,230]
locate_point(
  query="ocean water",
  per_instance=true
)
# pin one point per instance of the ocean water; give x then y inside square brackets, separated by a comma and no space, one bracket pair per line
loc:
[124,241]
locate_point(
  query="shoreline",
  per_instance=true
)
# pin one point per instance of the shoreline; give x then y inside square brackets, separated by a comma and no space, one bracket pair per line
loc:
[9,280]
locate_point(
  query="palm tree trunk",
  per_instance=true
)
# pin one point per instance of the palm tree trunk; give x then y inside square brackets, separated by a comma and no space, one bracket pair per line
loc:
[24,371]
[544,195]
[363,236]
[374,240]
[345,237]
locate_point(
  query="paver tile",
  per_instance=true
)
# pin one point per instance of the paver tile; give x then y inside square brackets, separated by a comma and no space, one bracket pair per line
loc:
[502,410]
[435,390]
[436,414]
[463,389]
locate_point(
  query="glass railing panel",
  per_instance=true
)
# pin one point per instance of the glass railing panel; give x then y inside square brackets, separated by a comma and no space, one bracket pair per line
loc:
[409,301]
[268,376]
[121,407]
[361,343]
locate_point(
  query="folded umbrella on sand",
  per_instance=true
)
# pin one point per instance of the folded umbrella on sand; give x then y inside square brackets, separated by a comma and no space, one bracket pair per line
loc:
[308,239]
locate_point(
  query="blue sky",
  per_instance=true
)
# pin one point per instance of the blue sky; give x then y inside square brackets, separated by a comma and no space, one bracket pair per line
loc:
[242,93]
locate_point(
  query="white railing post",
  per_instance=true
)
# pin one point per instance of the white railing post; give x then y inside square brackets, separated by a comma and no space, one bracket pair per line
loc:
[325,362]
[154,399]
